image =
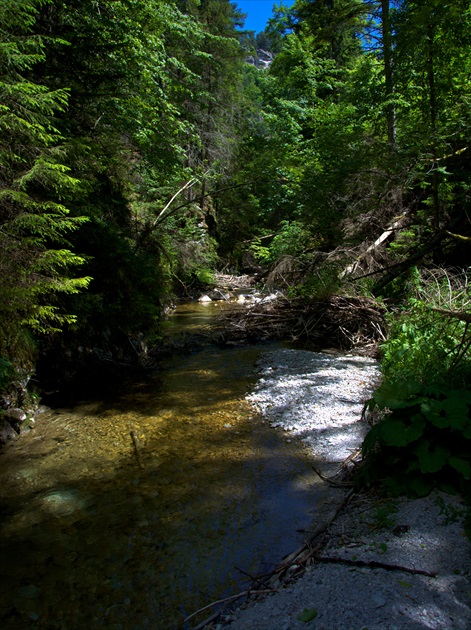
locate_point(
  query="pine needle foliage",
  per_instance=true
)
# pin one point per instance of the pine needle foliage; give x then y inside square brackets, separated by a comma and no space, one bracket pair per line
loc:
[36,263]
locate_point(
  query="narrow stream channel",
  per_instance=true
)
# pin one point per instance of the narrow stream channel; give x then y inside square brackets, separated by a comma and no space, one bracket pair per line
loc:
[135,509]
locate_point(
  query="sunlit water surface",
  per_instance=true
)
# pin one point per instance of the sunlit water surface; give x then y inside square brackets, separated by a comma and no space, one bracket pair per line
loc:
[138,508]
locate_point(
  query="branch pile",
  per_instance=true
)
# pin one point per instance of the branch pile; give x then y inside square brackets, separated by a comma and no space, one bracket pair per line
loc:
[344,323]
[230,282]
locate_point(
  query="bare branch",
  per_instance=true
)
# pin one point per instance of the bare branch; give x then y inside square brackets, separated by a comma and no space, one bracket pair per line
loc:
[374,564]
[188,184]
[461,315]
[213,193]
[459,237]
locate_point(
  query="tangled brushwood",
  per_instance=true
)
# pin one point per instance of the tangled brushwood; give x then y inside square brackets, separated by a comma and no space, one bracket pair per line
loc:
[344,323]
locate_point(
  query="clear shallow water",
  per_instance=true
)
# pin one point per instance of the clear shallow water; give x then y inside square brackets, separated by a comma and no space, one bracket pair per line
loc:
[135,509]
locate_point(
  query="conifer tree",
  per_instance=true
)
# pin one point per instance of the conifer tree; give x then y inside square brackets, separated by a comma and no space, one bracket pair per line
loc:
[35,260]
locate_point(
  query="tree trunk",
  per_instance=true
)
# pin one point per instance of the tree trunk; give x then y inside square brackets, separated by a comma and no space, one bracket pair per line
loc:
[433,124]
[388,73]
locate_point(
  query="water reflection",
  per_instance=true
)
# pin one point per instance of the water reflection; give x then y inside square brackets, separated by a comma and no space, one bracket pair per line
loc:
[135,511]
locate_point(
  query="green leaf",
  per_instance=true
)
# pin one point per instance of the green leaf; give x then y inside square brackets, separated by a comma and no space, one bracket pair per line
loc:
[308,614]
[398,395]
[392,432]
[451,412]
[461,465]
[419,486]
[431,458]
[399,433]
[371,439]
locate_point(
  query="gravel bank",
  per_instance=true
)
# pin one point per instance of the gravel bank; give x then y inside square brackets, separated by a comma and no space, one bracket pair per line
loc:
[318,398]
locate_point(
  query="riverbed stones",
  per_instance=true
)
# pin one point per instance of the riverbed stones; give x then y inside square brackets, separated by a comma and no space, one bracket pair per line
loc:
[10,424]
[15,415]
[219,294]
[14,421]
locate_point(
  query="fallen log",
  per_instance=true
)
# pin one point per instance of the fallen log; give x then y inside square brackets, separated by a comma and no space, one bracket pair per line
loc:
[464,316]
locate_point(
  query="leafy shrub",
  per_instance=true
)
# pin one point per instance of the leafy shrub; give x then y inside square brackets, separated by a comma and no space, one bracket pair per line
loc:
[261,253]
[424,344]
[421,441]
[321,282]
[204,276]
[292,239]
[190,253]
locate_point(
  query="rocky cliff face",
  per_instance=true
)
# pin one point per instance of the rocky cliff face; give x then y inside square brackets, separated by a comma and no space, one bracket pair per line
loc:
[262,59]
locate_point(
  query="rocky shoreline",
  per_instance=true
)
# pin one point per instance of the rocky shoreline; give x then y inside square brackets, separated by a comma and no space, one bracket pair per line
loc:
[386,566]
[317,397]
[15,420]
[381,564]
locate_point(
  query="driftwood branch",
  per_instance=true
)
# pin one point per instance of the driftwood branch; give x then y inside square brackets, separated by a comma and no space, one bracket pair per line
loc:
[253,240]
[396,225]
[213,193]
[207,621]
[332,482]
[459,237]
[254,578]
[306,551]
[341,322]
[228,599]
[301,555]
[372,564]
[403,266]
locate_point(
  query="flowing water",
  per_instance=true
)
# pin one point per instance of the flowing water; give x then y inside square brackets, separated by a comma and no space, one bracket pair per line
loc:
[135,509]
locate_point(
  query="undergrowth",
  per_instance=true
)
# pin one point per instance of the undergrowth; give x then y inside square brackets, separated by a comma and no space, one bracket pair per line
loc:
[422,440]
[421,434]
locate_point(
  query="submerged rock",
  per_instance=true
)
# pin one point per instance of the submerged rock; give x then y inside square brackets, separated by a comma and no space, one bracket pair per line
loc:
[217,294]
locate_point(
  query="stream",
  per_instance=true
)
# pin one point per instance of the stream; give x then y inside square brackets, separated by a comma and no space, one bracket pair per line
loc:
[135,507]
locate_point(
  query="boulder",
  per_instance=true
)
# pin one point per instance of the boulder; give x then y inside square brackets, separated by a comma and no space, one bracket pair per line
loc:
[218,294]
[15,415]
[7,432]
